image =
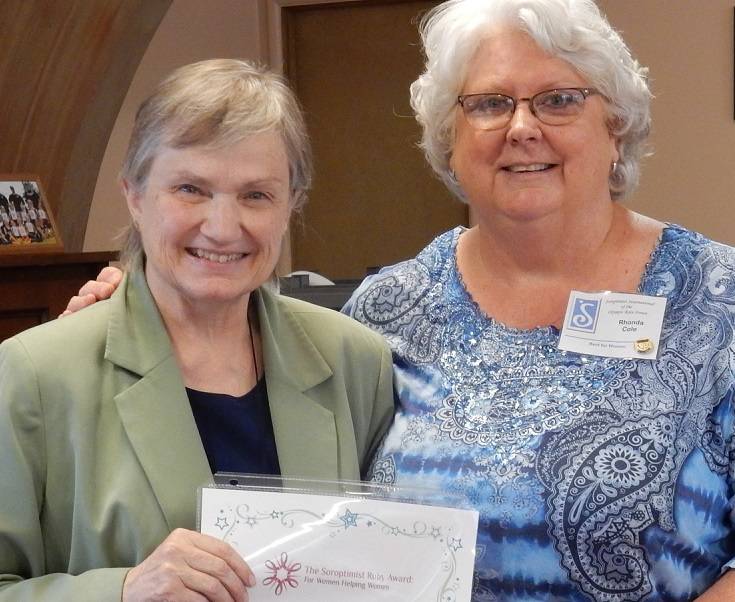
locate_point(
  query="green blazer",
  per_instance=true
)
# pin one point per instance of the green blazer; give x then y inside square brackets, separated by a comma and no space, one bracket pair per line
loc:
[100,457]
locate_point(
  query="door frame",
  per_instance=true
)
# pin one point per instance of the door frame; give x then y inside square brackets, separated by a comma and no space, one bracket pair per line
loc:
[274,24]
[271,18]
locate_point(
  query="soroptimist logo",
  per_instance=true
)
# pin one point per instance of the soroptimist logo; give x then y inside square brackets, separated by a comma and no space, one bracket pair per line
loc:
[282,574]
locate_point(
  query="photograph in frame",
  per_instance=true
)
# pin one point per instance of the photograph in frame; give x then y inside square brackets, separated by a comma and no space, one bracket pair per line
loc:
[27,224]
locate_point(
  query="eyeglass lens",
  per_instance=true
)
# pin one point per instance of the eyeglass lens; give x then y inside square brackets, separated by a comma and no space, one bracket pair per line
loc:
[553,107]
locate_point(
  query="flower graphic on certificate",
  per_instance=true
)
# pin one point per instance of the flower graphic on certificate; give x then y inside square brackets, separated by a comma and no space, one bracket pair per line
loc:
[282,573]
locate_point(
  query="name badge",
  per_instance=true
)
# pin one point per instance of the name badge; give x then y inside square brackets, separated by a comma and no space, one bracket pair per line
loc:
[610,324]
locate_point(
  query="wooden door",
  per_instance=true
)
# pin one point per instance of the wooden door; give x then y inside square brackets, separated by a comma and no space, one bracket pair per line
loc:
[375,201]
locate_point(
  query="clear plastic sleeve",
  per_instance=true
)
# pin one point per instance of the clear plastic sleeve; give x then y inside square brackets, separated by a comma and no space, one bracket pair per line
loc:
[343,540]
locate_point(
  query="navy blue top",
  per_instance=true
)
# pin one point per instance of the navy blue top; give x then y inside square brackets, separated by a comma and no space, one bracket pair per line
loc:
[237,432]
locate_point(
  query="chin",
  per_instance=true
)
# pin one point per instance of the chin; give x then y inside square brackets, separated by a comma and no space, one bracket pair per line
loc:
[217,293]
[529,210]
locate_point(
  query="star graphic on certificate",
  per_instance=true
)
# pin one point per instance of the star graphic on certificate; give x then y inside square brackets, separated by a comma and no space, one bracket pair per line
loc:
[455,544]
[436,532]
[349,519]
[222,523]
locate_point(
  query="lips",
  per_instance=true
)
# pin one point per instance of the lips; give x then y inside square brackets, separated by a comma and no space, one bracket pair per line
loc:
[215,257]
[528,167]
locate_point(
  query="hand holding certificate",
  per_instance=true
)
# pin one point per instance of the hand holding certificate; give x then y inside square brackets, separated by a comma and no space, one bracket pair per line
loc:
[331,548]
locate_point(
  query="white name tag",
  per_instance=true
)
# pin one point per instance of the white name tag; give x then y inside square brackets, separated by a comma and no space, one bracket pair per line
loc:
[609,324]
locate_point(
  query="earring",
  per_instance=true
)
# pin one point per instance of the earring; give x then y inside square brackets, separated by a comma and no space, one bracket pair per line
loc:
[614,168]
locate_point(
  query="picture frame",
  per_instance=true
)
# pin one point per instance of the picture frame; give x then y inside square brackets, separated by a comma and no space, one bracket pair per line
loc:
[27,224]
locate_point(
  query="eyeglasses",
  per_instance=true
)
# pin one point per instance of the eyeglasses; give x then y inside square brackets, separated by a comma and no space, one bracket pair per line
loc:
[490,111]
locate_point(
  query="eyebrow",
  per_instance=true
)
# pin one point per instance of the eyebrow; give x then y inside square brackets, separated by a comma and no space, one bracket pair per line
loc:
[202,181]
[501,88]
[189,176]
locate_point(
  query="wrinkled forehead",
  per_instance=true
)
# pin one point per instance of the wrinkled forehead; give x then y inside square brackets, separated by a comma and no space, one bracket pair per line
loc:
[508,57]
[258,158]
[187,140]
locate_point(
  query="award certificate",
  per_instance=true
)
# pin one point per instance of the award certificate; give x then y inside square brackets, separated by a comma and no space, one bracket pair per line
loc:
[303,546]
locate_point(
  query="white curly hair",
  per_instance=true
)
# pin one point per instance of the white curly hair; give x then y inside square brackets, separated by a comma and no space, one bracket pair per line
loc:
[573,30]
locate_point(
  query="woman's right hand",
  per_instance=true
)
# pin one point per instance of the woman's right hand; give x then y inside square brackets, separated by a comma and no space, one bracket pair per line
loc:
[95,290]
[189,567]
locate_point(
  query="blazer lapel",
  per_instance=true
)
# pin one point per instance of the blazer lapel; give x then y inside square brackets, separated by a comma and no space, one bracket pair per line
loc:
[305,431]
[155,411]
[152,402]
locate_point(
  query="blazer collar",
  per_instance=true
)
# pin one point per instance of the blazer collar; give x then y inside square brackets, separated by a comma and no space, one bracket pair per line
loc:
[154,407]
[305,430]
[137,339]
[157,417]
[288,352]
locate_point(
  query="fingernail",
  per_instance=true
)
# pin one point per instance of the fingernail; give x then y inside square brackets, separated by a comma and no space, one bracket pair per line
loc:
[251,580]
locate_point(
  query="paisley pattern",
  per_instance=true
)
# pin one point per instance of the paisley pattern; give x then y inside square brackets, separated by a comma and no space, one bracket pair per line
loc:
[595,478]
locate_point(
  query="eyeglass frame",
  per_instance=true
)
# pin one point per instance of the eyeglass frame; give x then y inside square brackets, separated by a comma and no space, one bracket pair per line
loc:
[585,91]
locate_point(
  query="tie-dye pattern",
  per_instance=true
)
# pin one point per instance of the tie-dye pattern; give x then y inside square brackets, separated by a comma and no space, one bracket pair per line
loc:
[596,479]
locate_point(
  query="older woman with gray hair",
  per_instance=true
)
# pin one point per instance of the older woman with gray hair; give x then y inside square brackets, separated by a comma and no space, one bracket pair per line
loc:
[596,477]
[111,419]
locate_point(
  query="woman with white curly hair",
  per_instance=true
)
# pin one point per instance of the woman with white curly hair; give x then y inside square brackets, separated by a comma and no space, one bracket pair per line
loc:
[596,478]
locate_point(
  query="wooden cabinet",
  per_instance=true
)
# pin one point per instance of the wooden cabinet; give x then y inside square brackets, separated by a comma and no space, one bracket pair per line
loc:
[36,288]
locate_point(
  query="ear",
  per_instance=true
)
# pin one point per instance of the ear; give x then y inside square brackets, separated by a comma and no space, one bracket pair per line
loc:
[133,198]
[295,208]
[612,126]
[615,153]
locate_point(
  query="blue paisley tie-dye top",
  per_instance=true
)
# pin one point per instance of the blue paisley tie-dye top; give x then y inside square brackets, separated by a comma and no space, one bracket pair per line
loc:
[595,478]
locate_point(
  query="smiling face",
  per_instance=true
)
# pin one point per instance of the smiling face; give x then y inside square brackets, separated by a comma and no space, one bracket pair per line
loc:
[529,170]
[212,219]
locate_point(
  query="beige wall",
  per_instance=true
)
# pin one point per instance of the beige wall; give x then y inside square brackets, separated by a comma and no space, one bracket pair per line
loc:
[191,30]
[688,45]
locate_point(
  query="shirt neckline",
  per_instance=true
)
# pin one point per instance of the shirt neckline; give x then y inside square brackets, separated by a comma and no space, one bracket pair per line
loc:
[203,394]
[549,331]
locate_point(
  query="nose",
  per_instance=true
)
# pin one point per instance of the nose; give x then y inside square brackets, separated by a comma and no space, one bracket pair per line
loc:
[222,222]
[524,125]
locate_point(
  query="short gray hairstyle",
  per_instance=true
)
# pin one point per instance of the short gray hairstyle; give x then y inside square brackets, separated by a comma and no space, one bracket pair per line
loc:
[572,30]
[216,102]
